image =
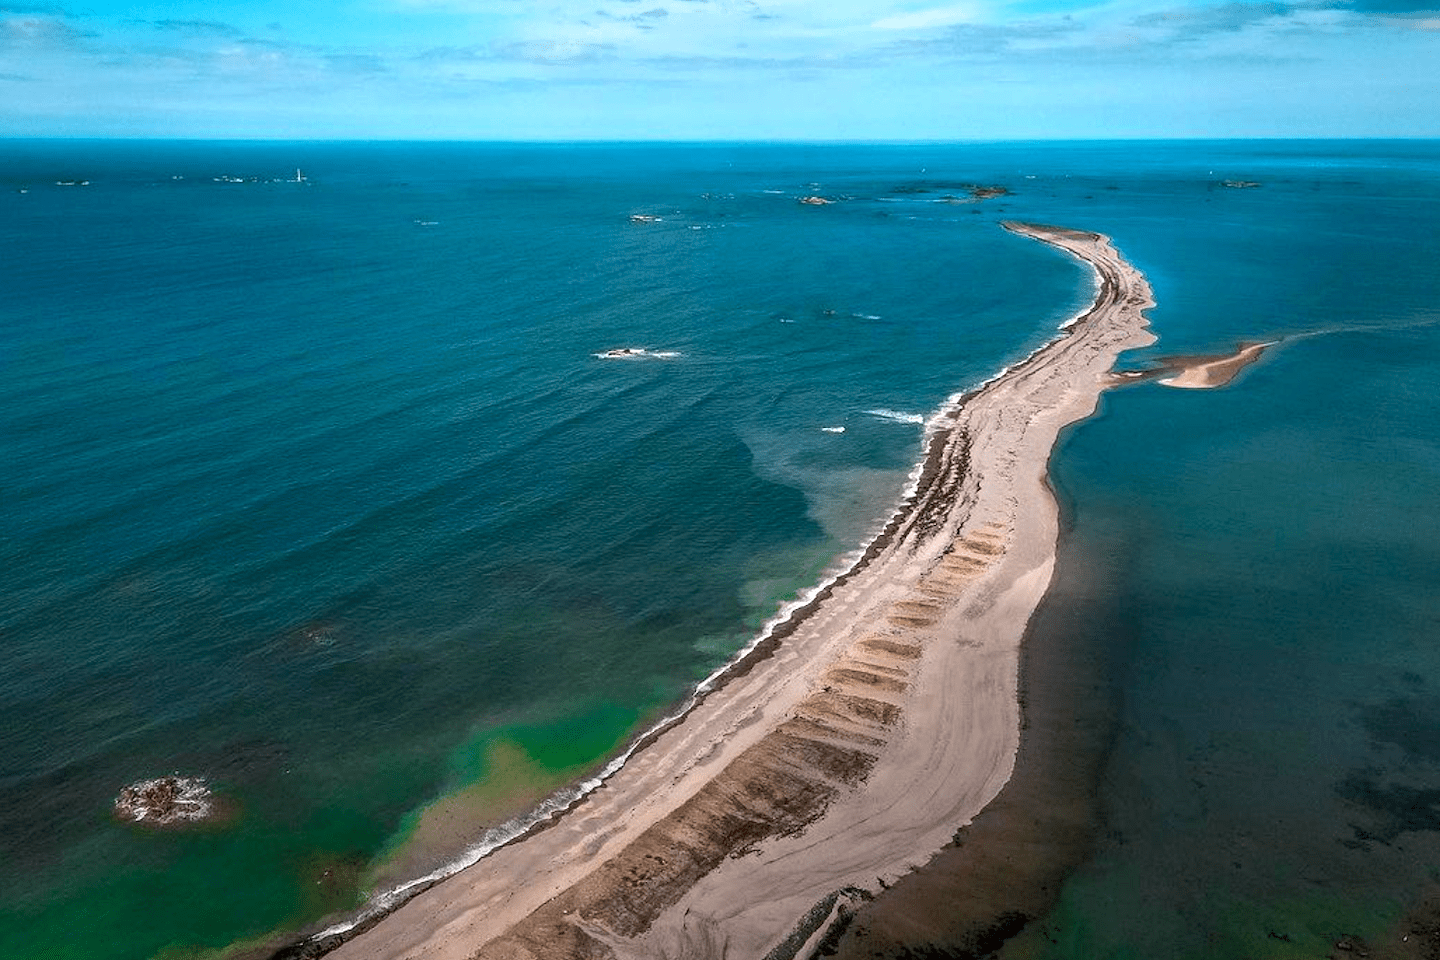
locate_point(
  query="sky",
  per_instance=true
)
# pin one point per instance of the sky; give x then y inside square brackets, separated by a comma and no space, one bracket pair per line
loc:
[720,69]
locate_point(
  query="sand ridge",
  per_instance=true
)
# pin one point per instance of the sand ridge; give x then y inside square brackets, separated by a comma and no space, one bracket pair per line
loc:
[854,747]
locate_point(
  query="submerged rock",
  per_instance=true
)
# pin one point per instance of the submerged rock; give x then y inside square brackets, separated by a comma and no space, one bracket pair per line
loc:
[165,801]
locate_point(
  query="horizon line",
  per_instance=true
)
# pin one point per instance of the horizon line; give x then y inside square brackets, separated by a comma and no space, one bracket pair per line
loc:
[727,141]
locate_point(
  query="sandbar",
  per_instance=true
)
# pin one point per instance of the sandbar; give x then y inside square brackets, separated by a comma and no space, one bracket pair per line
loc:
[846,749]
[1207,372]
[1204,372]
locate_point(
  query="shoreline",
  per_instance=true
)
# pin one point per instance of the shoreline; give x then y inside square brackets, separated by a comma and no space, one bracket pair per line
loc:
[843,746]
[1000,875]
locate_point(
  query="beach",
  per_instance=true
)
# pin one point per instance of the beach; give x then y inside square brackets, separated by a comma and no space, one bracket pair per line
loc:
[845,749]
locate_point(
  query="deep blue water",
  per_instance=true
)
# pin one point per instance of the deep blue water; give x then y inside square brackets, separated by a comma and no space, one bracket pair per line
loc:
[318,490]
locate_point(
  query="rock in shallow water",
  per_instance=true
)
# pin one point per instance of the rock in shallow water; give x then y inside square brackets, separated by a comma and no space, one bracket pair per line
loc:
[166,800]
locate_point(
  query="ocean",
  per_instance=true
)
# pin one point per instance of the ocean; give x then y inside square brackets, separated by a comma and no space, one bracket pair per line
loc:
[322,487]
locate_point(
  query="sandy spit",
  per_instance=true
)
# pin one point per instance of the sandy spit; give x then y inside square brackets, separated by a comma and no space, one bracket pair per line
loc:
[1204,373]
[885,720]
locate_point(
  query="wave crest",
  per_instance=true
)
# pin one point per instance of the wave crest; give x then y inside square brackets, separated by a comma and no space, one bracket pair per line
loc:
[897,416]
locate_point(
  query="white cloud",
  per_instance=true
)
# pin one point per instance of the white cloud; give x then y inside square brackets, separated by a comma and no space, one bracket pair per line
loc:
[947,16]
[545,60]
[37,31]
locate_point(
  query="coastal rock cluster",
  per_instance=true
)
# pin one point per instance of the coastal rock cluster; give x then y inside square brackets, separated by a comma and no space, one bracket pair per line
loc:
[166,801]
[952,190]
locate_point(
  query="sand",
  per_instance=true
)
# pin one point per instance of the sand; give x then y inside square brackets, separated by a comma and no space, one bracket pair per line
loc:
[1197,372]
[1203,373]
[846,752]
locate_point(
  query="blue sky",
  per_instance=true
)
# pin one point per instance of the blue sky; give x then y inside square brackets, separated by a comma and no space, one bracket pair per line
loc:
[721,69]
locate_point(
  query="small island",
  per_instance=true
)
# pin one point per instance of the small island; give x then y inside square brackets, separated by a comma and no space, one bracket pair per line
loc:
[1197,372]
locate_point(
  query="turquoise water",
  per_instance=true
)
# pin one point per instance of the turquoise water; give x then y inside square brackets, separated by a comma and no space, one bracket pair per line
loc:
[318,490]
[1273,786]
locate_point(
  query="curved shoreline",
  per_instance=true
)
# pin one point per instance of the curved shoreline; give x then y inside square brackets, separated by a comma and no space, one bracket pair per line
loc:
[849,740]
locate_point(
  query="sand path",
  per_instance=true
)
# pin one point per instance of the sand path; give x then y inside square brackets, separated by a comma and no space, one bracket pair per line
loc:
[849,754]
